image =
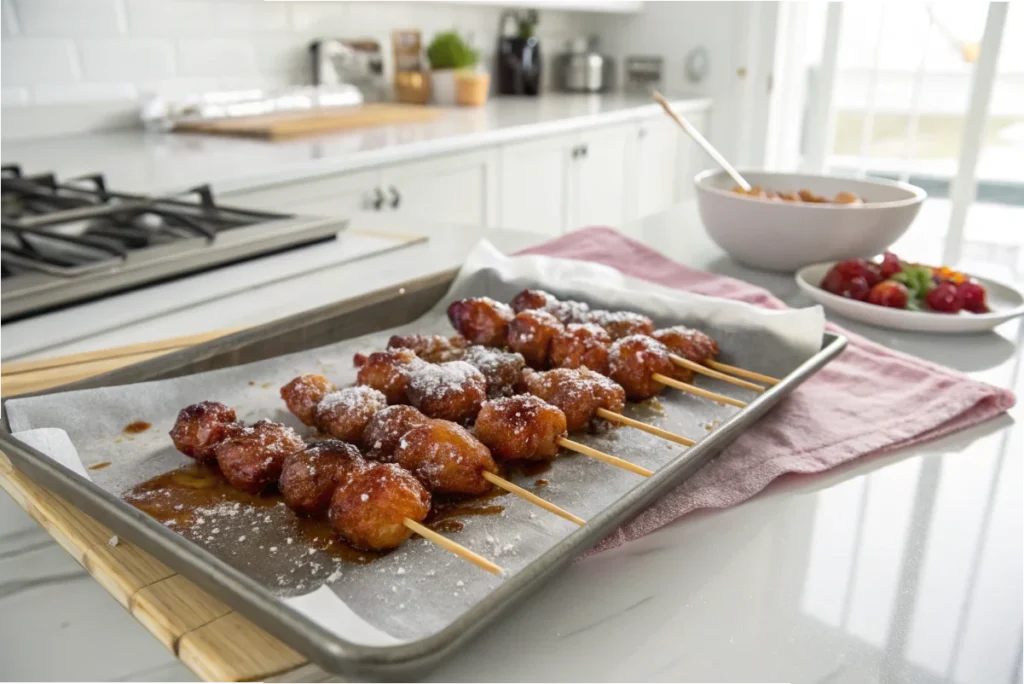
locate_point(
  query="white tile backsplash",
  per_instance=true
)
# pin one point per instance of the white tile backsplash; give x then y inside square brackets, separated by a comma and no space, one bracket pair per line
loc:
[119,49]
[170,17]
[221,56]
[48,18]
[33,61]
[84,92]
[127,60]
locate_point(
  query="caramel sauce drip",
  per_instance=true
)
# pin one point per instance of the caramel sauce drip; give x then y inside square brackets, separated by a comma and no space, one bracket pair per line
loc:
[137,427]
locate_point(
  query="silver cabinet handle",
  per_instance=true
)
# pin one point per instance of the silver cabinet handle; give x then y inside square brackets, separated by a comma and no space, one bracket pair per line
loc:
[378,201]
[396,199]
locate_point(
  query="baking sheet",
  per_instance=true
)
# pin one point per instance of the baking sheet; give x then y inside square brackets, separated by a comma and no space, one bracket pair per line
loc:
[418,589]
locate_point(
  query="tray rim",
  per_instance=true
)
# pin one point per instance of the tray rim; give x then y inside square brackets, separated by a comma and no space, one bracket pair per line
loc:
[259,604]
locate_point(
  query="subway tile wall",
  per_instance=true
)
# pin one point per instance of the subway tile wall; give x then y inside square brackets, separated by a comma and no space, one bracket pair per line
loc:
[67,51]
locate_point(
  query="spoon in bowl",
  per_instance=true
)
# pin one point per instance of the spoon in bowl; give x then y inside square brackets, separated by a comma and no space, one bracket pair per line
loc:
[703,142]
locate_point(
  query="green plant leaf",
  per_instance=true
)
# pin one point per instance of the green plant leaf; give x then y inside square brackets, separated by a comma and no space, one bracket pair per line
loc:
[449,51]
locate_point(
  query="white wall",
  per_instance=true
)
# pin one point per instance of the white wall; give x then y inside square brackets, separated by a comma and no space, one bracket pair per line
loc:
[75,51]
[672,30]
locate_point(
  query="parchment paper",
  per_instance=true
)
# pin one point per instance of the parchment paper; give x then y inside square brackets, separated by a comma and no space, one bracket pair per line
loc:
[419,588]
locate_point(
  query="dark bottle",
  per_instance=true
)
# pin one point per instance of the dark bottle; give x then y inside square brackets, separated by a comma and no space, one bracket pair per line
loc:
[519,60]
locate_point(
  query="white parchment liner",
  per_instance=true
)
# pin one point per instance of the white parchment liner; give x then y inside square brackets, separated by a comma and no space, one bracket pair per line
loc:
[418,589]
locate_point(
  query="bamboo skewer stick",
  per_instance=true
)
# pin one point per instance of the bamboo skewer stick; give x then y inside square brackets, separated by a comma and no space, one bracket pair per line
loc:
[656,431]
[704,370]
[531,497]
[601,456]
[665,380]
[750,375]
[458,549]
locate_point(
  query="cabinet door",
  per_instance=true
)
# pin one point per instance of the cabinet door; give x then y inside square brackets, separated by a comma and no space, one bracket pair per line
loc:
[342,195]
[533,185]
[456,189]
[599,192]
[656,178]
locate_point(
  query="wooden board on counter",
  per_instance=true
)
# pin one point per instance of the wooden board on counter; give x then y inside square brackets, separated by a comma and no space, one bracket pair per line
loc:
[284,125]
[212,640]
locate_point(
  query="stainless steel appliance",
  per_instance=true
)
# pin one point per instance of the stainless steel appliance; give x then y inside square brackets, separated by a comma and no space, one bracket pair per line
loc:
[73,240]
[360,63]
[582,69]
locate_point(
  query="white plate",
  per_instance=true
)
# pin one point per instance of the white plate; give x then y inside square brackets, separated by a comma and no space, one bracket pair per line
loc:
[1005,301]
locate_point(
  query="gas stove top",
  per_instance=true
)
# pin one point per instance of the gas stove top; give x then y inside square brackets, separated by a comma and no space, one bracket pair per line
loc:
[68,241]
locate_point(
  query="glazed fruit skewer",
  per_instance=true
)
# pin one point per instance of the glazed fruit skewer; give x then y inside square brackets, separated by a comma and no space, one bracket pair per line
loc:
[631,358]
[502,371]
[570,313]
[360,415]
[401,371]
[370,502]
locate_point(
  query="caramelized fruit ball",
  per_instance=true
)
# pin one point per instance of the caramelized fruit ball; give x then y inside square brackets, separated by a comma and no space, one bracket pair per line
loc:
[344,414]
[388,372]
[432,348]
[532,299]
[481,320]
[687,342]
[633,360]
[530,334]
[200,427]
[302,394]
[578,392]
[252,458]
[446,458]
[581,344]
[309,477]
[371,502]
[451,391]
[386,428]
[521,427]
[501,369]
[620,324]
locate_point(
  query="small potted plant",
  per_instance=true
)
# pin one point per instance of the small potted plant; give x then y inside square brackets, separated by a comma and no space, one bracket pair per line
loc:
[448,54]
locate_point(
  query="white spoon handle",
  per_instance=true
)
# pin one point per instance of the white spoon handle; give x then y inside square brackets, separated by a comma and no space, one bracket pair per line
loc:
[703,142]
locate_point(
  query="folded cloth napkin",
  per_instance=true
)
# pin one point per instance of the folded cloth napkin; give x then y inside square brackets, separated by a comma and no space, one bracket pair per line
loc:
[855,406]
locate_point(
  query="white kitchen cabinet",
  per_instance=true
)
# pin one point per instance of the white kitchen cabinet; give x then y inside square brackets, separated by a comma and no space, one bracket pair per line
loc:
[459,189]
[599,181]
[655,184]
[341,195]
[533,185]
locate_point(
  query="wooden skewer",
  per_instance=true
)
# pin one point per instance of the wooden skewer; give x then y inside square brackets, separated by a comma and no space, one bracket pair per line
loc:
[657,431]
[531,497]
[726,368]
[601,456]
[458,549]
[704,370]
[665,380]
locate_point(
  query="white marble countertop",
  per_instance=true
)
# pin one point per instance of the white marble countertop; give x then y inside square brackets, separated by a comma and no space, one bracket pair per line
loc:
[905,567]
[135,161]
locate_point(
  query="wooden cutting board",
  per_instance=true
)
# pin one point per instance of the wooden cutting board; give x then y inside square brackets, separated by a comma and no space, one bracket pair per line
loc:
[284,125]
[212,640]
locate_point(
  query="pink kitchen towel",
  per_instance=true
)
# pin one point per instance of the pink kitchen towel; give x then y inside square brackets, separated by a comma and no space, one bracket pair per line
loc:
[855,406]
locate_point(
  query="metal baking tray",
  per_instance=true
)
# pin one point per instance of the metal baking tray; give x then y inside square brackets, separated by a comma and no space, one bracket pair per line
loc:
[373,312]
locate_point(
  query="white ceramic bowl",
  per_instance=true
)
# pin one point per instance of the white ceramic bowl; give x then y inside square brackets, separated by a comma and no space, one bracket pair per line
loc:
[784,236]
[1005,301]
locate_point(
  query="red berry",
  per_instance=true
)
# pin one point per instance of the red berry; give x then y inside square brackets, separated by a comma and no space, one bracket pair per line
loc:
[853,268]
[943,298]
[890,265]
[858,288]
[889,293]
[973,297]
[833,282]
